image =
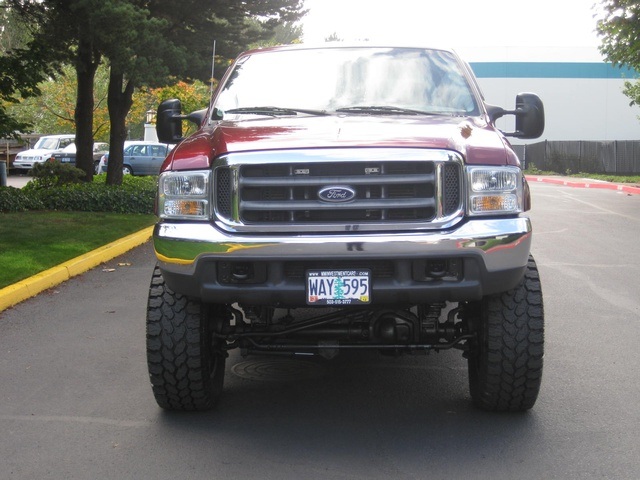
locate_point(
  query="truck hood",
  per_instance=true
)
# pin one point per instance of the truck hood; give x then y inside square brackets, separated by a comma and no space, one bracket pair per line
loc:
[478,141]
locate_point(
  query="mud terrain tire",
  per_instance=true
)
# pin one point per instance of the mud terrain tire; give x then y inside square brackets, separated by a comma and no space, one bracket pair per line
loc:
[186,365]
[505,363]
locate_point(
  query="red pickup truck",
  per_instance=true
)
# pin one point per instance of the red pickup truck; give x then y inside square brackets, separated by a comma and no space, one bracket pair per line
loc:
[345,197]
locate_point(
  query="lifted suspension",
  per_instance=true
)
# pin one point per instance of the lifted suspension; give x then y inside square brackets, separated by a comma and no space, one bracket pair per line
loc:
[384,330]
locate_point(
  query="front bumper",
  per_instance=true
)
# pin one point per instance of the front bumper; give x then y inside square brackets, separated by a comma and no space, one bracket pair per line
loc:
[23,165]
[485,256]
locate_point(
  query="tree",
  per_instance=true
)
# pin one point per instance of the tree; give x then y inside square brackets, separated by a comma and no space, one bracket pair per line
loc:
[619,28]
[52,111]
[68,31]
[179,42]
[14,32]
[143,41]
[333,38]
[232,25]
[12,81]
[21,68]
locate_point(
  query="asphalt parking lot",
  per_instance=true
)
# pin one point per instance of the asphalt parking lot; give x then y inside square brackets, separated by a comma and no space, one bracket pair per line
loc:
[75,400]
[17,180]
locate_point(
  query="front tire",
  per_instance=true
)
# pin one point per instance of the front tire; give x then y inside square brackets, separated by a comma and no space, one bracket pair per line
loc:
[505,361]
[186,361]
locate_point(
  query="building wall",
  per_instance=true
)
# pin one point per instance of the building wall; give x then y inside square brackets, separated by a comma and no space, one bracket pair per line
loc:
[582,94]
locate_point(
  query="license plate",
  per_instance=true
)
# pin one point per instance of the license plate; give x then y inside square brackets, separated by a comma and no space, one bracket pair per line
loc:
[338,287]
[65,160]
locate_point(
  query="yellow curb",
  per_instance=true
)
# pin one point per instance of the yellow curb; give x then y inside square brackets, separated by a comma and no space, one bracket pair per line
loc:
[29,287]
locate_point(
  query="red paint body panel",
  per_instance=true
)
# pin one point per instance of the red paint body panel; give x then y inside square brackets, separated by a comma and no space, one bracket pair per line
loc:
[474,138]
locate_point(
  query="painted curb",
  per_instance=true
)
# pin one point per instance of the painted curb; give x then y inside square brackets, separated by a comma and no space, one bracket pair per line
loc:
[30,287]
[585,184]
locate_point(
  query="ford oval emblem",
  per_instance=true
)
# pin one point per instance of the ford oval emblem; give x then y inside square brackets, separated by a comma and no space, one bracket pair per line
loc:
[336,194]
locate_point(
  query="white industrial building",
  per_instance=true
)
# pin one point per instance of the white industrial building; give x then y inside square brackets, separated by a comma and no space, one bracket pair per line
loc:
[582,94]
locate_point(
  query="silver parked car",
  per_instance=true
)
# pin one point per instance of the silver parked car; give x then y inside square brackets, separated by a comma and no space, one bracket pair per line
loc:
[140,158]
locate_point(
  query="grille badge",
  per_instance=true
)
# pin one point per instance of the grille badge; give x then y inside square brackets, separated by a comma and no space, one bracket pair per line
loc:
[336,194]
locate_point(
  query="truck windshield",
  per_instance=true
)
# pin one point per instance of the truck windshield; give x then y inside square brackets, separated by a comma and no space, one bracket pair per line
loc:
[348,80]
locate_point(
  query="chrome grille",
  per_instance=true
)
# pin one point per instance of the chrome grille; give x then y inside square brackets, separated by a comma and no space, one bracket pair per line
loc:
[392,189]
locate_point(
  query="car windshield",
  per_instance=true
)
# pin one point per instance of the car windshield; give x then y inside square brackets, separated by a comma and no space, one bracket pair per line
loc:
[48,143]
[52,143]
[369,81]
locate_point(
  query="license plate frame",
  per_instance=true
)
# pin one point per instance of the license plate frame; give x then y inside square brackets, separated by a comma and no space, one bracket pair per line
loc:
[338,287]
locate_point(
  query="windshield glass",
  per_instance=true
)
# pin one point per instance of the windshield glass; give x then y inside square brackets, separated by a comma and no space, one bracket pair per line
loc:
[52,143]
[49,143]
[429,81]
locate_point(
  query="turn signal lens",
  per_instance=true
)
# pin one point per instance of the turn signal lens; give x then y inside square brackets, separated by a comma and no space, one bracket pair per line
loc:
[185,208]
[494,203]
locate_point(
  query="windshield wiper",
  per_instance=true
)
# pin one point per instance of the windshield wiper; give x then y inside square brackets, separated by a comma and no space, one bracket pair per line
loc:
[384,110]
[275,111]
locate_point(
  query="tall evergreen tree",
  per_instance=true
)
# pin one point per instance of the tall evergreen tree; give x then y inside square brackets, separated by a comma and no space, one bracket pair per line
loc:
[144,41]
[21,68]
[178,41]
[70,31]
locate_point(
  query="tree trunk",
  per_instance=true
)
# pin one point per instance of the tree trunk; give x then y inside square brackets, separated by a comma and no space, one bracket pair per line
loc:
[86,67]
[119,101]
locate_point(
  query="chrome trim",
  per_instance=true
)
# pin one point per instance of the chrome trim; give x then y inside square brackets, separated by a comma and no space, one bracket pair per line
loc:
[231,221]
[502,244]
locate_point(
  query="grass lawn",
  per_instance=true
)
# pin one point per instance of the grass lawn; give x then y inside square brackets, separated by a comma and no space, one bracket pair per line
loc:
[31,242]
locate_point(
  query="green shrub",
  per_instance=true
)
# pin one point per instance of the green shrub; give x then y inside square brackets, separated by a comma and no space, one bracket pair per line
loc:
[16,200]
[135,195]
[54,174]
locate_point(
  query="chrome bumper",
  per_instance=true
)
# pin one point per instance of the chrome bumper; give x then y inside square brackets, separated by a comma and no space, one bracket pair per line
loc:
[498,251]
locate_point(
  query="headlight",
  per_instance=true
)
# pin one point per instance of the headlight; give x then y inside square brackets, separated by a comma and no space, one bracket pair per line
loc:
[184,195]
[494,190]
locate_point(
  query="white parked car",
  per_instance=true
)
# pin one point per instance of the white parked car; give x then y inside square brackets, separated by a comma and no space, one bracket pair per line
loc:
[41,151]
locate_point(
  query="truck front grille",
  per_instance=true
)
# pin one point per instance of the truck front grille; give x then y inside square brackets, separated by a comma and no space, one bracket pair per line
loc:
[385,189]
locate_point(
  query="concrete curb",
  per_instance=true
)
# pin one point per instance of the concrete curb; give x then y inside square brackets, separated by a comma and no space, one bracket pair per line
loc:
[30,287]
[585,183]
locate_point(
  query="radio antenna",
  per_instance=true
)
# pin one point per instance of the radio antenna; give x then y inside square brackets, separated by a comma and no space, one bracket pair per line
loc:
[213,66]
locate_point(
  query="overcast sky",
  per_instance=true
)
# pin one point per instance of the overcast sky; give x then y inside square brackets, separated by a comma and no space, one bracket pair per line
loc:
[455,23]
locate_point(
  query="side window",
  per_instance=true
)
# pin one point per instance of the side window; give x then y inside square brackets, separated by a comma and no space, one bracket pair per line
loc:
[158,151]
[65,141]
[138,150]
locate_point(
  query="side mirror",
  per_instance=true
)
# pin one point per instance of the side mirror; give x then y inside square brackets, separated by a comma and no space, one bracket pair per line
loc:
[529,114]
[169,120]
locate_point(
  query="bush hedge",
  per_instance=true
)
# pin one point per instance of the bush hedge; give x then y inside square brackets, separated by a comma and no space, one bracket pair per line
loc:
[48,192]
